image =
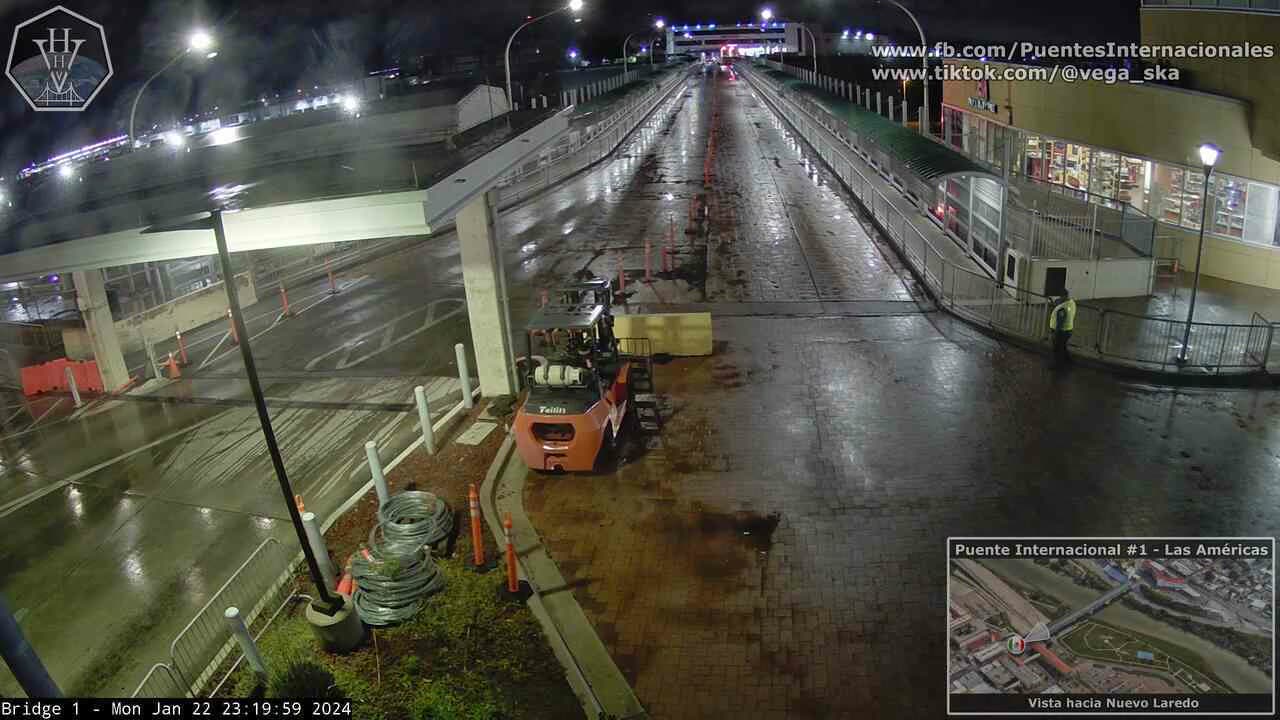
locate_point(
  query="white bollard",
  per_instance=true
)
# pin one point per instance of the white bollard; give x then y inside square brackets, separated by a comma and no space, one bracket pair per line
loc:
[315,538]
[151,358]
[464,375]
[424,419]
[375,469]
[878,111]
[245,640]
[891,104]
[71,385]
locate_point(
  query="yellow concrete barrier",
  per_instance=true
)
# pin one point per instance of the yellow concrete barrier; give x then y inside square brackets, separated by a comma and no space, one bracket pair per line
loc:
[681,334]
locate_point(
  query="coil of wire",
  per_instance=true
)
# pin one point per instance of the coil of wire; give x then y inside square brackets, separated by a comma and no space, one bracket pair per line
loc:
[392,580]
[413,517]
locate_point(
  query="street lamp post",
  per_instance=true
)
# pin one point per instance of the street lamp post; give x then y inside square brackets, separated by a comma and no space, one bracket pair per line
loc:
[573,6]
[200,41]
[658,25]
[1208,158]
[924,63]
[327,601]
[767,15]
[624,58]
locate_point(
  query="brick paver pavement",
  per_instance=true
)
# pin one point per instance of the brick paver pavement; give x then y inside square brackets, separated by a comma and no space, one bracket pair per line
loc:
[782,554]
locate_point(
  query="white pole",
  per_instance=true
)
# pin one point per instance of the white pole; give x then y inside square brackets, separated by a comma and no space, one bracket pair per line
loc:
[316,539]
[375,469]
[71,385]
[151,357]
[245,640]
[424,419]
[460,352]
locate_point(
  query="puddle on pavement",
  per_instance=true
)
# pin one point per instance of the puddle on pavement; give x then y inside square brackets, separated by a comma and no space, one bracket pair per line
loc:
[751,530]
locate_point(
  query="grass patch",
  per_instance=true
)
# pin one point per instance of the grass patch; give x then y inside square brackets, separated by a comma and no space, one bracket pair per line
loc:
[465,656]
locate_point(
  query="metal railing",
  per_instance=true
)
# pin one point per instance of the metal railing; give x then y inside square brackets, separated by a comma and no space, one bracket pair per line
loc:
[583,148]
[262,584]
[1119,337]
[1255,5]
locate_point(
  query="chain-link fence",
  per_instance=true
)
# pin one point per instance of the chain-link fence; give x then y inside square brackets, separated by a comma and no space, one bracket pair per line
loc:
[1118,337]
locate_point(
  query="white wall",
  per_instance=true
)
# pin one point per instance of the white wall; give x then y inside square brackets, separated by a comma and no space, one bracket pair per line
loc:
[481,105]
[1087,279]
[161,322]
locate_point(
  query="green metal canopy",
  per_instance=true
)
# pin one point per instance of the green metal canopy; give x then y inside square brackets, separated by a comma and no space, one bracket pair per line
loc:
[929,159]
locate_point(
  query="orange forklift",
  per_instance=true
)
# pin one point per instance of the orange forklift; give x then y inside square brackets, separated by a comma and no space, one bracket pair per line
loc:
[579,383]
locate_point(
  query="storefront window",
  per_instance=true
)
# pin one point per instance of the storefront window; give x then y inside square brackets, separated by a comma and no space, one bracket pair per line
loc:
[1167,193]
[1134,182]
[1262,215]
[1076,169]
[1037,158]
[1192,199]
[1103,181]
[1229,194]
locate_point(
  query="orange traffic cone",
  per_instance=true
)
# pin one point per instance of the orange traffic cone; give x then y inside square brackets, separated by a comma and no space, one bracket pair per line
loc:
[347,585]
[174,371]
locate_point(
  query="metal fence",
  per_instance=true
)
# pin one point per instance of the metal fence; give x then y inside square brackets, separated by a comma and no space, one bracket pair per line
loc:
[1119,337]
[1043,219]
[582,148]
[261,587]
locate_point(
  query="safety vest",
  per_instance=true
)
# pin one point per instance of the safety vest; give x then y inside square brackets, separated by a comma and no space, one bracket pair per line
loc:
[1069,323]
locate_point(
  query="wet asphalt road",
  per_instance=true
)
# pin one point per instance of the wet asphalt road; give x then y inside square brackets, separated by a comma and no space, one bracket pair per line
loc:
[781,553]
[869,438]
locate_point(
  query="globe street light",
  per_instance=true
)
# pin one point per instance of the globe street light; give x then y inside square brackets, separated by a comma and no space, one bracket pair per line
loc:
[658,25]
[767,14]
[200,41]
[1208,158]
[573,7]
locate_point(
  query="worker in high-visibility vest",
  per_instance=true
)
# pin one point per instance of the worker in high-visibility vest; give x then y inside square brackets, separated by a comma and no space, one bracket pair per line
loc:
[1062,320]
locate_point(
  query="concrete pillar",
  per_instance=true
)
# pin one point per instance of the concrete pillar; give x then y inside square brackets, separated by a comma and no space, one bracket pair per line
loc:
[486,286]
[91,296]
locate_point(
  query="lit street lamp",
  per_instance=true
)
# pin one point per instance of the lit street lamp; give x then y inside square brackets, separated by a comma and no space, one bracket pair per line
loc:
[200,41]
[767,15]
[573,6]
[1208,158]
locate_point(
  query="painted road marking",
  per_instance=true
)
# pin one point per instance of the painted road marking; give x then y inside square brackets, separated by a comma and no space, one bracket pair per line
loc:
[34,495]
[386,340]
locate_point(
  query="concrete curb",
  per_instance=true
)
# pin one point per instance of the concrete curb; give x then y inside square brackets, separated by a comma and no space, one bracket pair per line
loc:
[590,670]
[1130,372]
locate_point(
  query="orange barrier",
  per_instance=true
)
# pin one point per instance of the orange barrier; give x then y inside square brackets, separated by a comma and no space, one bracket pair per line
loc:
[513,582]
[53,376]
[284,301]
[235,337]
[477,536]
[333,286]
[182,348]
[297,500]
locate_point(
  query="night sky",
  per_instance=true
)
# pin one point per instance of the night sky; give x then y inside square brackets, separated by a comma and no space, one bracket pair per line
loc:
[273,45]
